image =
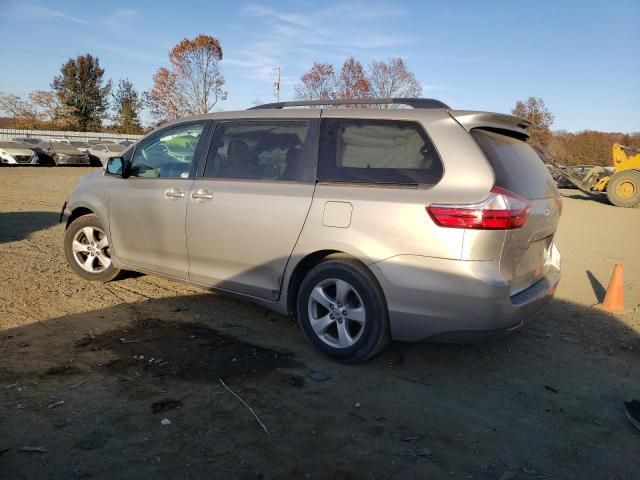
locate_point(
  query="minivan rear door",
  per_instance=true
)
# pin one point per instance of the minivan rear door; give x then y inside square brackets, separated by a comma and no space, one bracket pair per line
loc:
[246,210]
[526,253]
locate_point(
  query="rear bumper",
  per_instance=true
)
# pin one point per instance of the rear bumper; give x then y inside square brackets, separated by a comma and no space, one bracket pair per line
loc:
[452,300]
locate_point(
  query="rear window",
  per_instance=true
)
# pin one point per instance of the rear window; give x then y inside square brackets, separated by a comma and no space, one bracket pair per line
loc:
[516,165]
[377,151]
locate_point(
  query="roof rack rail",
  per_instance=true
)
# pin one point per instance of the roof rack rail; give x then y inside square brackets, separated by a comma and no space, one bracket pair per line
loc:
[412,102]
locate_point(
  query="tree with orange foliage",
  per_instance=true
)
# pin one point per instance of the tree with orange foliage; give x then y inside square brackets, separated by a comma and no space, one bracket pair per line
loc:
[319,83]
[534,110]
[353,82]
[193,84]
[379,80]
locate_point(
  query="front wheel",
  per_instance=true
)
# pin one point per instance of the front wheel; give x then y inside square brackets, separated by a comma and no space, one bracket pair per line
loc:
[623,189]
[86,247]
[342,311]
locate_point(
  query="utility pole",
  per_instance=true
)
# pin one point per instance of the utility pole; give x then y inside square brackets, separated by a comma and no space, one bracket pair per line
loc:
[276,84]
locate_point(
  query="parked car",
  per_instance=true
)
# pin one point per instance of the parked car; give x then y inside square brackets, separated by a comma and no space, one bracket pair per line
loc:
[96,141]
[104,151]
[14,153]
[64,153]
[80,146]
[40,147]
[60,140]
[411,224]
[29,140]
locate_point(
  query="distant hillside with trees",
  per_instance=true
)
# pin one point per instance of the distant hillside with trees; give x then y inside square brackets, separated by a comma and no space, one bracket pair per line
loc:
[589,147]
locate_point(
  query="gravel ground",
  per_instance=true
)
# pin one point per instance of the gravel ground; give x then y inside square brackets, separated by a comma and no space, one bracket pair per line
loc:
[90,372]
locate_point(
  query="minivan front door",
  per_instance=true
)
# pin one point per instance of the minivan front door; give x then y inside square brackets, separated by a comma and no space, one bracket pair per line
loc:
[147,210]
[245,214]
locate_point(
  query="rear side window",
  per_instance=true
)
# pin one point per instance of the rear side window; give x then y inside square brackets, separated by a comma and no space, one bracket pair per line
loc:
[516,165]
[263,150]
[377,151]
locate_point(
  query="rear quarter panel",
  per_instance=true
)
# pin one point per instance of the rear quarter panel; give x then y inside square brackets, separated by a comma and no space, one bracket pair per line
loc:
[389,220]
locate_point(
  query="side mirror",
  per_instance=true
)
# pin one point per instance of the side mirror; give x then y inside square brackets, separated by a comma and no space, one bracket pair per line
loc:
[116,166]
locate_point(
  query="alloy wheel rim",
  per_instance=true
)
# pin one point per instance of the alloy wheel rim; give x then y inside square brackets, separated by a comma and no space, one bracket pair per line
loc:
[336,313]
[90,248]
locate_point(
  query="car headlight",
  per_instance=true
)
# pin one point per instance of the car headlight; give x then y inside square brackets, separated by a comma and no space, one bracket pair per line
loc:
[2,152]
[60,155]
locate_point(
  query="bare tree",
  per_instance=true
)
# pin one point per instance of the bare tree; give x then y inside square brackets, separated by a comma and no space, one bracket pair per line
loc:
[50,109]
[393,79]
[20,110]
[193,84]
[42,109]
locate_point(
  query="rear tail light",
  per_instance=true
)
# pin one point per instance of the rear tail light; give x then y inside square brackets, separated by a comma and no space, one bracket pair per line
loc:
[501,210]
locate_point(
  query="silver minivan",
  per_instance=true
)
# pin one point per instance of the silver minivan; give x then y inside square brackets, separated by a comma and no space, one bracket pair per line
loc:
[366,224]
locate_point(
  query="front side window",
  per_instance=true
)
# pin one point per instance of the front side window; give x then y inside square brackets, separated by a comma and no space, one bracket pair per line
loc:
[168,155]
[262,150]
[377,151]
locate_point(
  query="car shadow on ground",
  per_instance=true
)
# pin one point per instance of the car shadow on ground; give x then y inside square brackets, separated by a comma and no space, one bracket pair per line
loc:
[19,225]
[578,195]
[92,388]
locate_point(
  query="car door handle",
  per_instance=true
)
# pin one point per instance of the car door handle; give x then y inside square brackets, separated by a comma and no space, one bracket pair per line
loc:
[202,194]
[173,193]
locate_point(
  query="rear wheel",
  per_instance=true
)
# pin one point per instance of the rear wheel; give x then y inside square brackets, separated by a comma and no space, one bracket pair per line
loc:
[623,189]
[342,311]
[86,247]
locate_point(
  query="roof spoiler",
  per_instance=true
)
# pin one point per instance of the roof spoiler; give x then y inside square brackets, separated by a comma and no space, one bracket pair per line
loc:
[497,121]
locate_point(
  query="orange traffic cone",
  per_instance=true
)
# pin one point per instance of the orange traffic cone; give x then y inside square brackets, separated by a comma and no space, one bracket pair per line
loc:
[614,299]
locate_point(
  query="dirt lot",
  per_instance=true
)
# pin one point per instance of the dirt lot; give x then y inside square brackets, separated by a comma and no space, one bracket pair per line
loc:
[544,403]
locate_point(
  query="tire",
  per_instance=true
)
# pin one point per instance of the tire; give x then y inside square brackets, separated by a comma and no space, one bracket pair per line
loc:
[86,247]
[354,331]
[623,190]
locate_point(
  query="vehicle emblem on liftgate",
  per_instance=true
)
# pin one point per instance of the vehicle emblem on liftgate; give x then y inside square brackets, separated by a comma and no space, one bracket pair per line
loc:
[547,212]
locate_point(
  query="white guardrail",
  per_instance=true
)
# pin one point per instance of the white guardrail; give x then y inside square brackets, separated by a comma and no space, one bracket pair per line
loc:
[11,133]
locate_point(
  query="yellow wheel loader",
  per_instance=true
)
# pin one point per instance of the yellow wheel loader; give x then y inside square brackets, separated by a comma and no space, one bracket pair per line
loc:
[622,187]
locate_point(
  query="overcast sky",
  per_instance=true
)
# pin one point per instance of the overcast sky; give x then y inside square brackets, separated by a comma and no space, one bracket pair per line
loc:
[581,57]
